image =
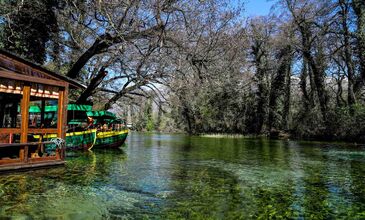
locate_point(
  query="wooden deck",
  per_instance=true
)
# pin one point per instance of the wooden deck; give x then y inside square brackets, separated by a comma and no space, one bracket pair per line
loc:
[31,165]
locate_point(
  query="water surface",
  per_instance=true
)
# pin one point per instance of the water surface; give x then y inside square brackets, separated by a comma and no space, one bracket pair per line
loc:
[158,176]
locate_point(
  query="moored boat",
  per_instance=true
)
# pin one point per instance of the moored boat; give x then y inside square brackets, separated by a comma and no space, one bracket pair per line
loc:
[78,140]
[79,135]
[110,139]
[86,128]
[111,132]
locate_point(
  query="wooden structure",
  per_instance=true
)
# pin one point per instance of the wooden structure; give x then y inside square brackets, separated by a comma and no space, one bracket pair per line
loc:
[22,85]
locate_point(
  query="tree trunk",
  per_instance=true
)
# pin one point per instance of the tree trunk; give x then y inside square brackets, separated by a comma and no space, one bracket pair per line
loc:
[318,77]
[105,41]
[287,96]
[303,85]
[317,70]
[94,83]
[122,92]
[339,99]
[100,44]
[359,9]
[348,54]
[278,86]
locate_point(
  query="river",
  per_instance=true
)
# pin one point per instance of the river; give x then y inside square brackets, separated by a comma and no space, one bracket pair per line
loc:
[162,176]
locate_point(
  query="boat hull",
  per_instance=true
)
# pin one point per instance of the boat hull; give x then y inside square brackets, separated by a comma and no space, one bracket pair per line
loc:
[110,139]
[79,140]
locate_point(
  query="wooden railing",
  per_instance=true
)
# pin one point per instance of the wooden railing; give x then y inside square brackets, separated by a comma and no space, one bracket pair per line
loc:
[24,144]
[30,130]
[23,153]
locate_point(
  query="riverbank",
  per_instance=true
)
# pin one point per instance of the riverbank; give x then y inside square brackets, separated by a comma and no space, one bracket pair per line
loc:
[277,135]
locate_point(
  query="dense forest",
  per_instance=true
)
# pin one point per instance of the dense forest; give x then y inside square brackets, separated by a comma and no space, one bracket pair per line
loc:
[204,66]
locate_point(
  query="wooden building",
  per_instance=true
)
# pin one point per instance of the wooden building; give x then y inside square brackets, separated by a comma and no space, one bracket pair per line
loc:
[25,85]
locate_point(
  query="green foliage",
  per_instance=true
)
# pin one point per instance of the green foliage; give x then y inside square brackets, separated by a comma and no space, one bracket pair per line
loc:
[344,123]
[30,26]
[150,126]
[144,120]
[167,124]
[348,123]
[222,108]
[309,123]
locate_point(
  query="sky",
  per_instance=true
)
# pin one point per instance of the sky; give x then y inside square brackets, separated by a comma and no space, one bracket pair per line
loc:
[258,7]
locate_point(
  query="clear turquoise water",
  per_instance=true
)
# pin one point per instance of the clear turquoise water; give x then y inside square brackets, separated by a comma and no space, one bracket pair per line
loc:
[157,176]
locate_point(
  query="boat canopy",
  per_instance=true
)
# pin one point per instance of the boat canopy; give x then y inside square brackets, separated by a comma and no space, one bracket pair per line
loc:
[98,116]
[76,121]
[54,108]
[101,114]
[101,117]
[33,109]
[76,107]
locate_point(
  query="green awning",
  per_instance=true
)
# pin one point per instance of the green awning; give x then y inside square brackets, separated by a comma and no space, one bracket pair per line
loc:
[75,107]
[70,107]
[76,121]
[51,108]
[34,109]
[100,114]
[54,108]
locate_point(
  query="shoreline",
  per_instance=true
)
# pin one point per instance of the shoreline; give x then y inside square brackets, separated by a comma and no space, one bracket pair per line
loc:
[288,137]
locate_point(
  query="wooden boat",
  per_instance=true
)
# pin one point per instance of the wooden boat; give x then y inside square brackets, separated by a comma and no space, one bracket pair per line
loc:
[77,137]
[77,140]
[22,84]
[110,139]
[106,131]
[112,131]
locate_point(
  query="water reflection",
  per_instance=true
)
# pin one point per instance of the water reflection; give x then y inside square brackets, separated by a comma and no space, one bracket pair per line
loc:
[163,176]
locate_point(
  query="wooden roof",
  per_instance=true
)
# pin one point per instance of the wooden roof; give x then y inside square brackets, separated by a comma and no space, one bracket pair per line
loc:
[12,65]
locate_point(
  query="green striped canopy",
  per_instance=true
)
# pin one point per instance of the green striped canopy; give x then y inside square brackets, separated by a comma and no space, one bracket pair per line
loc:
[75,107]
[101,114]
[34,109]
[76,121]
[54,108]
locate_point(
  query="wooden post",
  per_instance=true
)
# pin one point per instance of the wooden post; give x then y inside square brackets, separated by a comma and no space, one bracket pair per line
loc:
[62,118]
[24,111]
[65,103]
[43,106]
